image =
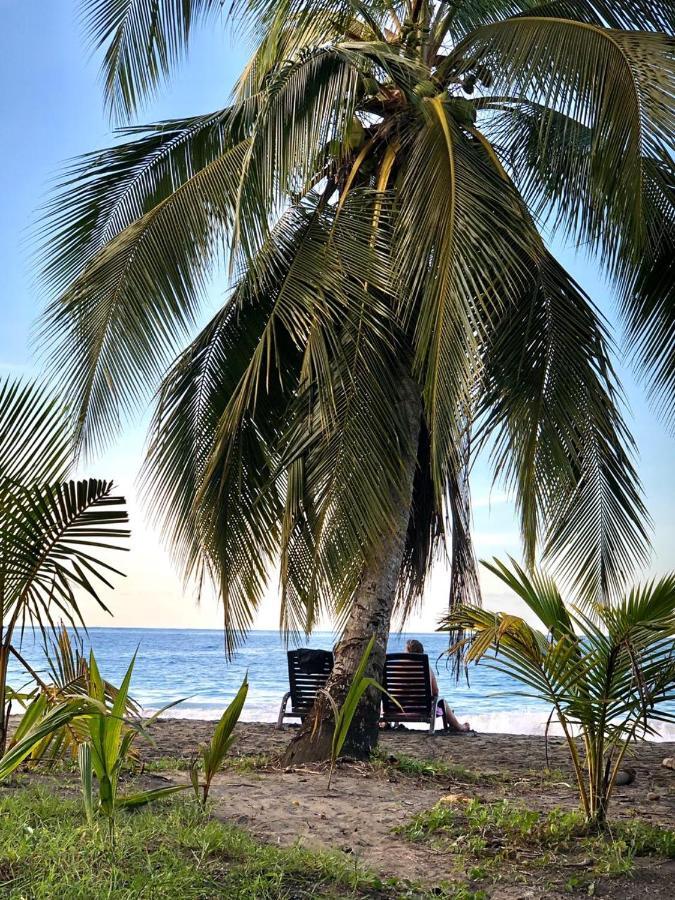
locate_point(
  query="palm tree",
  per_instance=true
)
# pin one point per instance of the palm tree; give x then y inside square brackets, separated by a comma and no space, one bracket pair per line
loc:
[55,535]
[378,185]
[608,673]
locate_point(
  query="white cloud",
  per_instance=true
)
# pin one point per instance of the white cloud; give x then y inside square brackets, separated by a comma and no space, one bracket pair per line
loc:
[486,501]
[496,538]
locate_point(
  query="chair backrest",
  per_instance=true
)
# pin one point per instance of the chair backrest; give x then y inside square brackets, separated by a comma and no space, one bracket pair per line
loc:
[406,678]
[308,670]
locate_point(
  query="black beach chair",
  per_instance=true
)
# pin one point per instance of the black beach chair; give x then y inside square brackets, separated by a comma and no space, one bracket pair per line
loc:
[308,670]
[407,679]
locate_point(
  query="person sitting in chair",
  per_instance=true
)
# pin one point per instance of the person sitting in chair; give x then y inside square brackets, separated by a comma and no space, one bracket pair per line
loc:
[450,720]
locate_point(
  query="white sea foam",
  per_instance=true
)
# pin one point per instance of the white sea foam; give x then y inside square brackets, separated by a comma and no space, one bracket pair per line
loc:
[533,721]
[505,721]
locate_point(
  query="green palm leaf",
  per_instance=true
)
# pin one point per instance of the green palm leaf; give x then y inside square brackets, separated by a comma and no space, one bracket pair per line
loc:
[52,538]
[103,192]
[447,187]
[131,299]
[551,158]
[616,83]
[643,15]
[55,719]
[143,40]
[35,436]
[559,440]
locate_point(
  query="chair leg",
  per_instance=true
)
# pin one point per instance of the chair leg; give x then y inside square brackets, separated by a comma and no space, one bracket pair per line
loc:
[282,710]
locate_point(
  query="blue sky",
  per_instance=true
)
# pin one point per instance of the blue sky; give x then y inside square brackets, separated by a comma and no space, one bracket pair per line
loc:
[51,108]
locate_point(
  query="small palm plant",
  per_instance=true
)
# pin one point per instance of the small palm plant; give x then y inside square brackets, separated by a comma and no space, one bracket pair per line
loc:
[109,740]
[105,739]
[606,670]
[69,674]
[213,753]
[56,536]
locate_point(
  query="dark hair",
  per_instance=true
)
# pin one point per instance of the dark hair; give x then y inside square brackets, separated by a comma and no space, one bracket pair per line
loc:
[414,646]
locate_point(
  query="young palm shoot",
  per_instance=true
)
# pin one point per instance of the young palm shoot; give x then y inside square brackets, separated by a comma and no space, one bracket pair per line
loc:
[213,753]
[608,672]
[110,739]
[107,739]
[70,675]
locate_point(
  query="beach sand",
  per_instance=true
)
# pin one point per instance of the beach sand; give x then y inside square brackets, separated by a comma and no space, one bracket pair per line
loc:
[365,804]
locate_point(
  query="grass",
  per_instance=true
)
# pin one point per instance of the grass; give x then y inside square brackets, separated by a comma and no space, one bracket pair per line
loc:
[169,850]
[492,838]
[436,768]
[431,768]
[248,763]
[159,764]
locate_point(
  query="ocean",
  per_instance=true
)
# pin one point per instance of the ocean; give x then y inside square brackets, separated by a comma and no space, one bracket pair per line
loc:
[191,665]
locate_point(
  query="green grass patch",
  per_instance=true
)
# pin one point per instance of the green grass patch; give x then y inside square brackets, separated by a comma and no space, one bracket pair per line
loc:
[492,835]
[433,768]
[248,763]
[169,850]
[440,769]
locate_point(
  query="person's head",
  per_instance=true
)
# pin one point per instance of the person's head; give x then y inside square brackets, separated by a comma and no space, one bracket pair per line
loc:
[414,646]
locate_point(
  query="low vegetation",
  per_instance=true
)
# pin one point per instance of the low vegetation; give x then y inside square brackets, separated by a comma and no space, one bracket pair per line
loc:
[250,762]
[491,840]
[440,769]
[433,768]
[100,731]
[166,851]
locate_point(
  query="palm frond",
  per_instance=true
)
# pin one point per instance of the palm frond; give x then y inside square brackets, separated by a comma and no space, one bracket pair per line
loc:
[103,192]
[455,21]
[244,506]
[540,594]
[308,103]
[143,41]
[111,334]
[35,434]
[347,449]
[648,303]
[52,542]
[461,246]
[123,316]
[618,84]
[426,539]
[214,462]
[638,15]
[464,582]
[551,160]
[559,439]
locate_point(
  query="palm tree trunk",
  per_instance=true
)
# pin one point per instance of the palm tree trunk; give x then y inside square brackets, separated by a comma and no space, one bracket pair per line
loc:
[370,614]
